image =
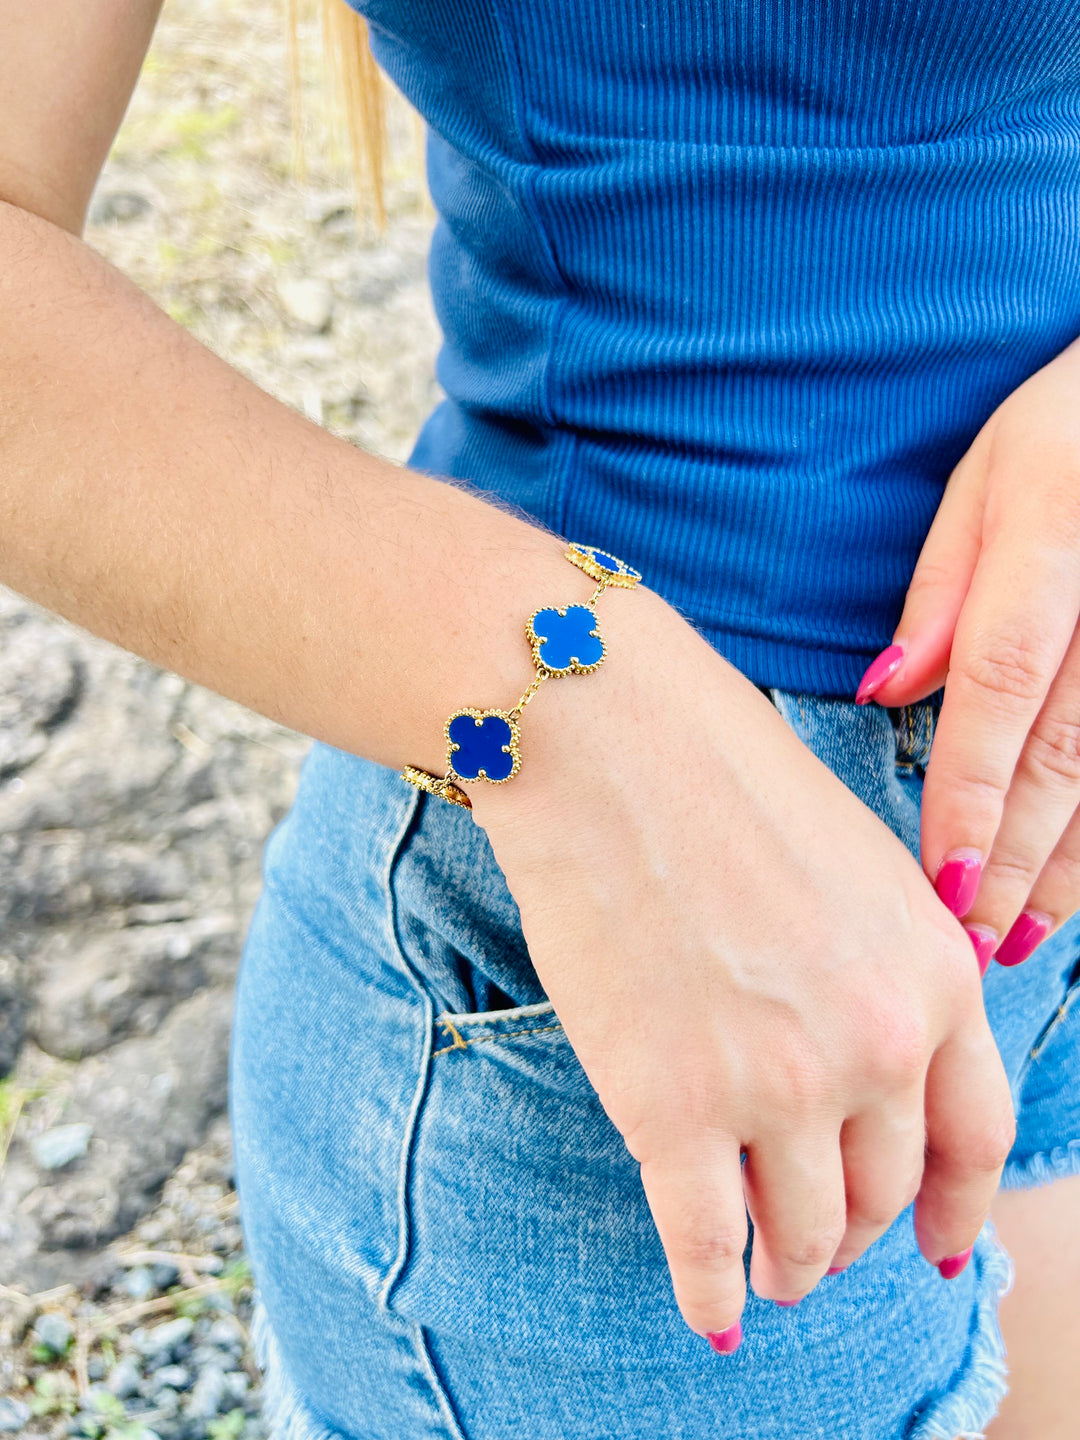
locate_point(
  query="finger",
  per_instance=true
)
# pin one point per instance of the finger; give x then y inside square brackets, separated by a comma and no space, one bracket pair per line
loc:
[882,1149]
[795,1194]
[969,1131]
[700,1213]
[1042,800]
[916,662]
[1012,634]
[1054,898]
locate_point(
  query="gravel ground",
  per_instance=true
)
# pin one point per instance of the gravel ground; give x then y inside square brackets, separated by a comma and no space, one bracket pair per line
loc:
[201,203]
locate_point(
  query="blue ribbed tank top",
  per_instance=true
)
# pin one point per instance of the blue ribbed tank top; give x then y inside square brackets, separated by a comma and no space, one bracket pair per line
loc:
[728,288]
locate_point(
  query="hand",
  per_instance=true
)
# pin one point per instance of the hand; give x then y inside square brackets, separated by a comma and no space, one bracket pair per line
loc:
[744,956]
[991,613]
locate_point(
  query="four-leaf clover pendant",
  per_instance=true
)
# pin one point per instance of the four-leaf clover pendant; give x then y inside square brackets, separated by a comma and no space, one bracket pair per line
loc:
[565,641]
[482,745]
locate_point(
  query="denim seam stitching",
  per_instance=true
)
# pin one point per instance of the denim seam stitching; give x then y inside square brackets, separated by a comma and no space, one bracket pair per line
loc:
[451,1423]
[423,1059]
[461,1044]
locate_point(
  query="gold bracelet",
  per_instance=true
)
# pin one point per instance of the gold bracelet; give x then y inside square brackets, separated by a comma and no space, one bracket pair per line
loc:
[563,640]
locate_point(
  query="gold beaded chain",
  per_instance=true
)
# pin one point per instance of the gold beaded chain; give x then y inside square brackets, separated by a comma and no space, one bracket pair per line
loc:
[563,641]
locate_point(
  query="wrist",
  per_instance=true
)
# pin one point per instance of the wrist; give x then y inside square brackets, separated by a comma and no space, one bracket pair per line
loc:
[571,740]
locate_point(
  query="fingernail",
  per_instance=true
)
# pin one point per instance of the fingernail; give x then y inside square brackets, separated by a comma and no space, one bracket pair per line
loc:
[836,1270]
[958,881]
[1028,929]
[725,1341]
[787,1304]
[880,669]
[984,939]
[951,1266]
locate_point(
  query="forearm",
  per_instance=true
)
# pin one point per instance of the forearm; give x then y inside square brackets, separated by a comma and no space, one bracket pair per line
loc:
[153,495]
[67,70]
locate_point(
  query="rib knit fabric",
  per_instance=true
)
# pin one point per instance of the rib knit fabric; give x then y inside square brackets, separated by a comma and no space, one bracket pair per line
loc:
[729,288]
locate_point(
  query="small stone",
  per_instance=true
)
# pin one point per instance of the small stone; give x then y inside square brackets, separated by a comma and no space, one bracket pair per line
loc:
[139,1282]
[13,1415]
[124,1379]
[308,301]
[165,1339]
[225,1333]
[54,1332]
[206,1399]
[57,1147]
[173,1377]
[95,1368]
[237,1384]
[165,1273]
[119,207]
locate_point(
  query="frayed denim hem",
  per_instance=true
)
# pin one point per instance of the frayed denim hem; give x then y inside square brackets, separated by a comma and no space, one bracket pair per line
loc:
[286,1413]
[981,1385]
[1041,1168]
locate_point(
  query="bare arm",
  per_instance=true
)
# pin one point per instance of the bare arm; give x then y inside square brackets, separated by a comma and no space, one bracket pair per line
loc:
[67,70]
[152,494]
[664,815]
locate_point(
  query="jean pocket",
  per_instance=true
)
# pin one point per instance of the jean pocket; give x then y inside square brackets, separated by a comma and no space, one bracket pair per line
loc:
[528,1228]
[494,1027]
[914,726]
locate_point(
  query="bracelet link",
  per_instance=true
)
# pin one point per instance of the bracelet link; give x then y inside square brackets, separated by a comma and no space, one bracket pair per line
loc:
[564,640]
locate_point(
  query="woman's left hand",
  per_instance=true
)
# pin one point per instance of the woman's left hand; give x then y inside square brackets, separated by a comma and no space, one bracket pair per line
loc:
[992,614]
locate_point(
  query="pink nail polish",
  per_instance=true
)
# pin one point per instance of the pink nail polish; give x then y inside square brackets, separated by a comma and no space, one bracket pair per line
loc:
[1028,929]
[984,939]
[957,881]
[836,1270]
[724,1342]
[880,669]
[952,1265]
[787,1304]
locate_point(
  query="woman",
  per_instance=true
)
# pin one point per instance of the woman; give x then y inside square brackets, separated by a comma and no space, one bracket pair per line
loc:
[731,293]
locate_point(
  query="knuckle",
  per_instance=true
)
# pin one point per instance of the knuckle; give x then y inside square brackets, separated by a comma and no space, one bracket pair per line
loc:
[1011,868]
[1053,748]
[1063,503]
[985,1148]
[876,1214]
[795,1081]
[706,1250]
[1011,664]
[812,1251]
[899,1047]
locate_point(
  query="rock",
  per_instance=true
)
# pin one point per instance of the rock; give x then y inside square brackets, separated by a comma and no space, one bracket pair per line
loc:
[164,1340]
[55,1148]
[148,1100]
[95,990]
[139,1283]
[40,685]
[237,1384]
[13,1415]
[54,1332]
[172,1377]
[208,1395]
[124,1379]
[118,207]
[165,1274]
[13,1011]
[310,302]
[226,1334]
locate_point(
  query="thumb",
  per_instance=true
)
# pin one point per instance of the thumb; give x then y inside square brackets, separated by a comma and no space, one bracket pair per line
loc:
[917,661]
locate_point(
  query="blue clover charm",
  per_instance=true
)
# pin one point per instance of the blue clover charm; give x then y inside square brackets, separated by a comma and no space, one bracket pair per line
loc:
[599,565]
[565,641]
[482,745]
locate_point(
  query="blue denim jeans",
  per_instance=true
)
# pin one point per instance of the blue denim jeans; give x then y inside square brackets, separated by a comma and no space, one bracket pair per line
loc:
[448,1235]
